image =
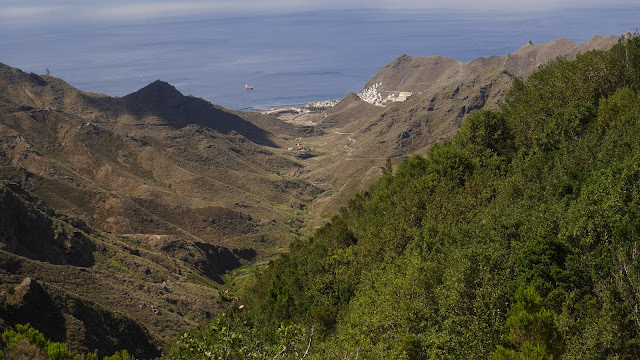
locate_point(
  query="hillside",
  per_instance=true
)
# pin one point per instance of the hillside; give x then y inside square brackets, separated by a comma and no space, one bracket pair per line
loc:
[154,161]
[138,212]
[359,136]
[170,192]
[515,239]
[422,75]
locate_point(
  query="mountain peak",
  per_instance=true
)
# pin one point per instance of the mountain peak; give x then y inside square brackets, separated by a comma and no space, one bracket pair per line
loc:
[528,45]
[157,89]
[160,84]
[399,61]
[157,97]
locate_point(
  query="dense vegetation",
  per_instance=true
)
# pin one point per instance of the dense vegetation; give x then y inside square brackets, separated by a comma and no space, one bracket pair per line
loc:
[518,238]
[28,343]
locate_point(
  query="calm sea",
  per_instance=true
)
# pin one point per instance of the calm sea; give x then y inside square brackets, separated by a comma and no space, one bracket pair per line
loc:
[289,59]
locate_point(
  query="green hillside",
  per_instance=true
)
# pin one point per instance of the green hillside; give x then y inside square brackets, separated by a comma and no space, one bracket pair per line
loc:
[516,239]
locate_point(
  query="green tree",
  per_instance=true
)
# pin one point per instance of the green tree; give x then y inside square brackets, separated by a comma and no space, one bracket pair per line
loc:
[58,351]
[531,333]
[120,355]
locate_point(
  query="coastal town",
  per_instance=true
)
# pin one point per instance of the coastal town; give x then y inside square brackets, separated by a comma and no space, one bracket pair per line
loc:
[370,94]
[373,95]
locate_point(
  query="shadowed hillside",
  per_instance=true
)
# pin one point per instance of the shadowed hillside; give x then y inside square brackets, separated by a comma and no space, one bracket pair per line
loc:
[161,104]
[152,162]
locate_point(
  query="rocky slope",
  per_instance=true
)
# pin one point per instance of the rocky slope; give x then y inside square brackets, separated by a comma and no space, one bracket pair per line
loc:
[422,75]
[65,255]
[127,212]
[153,162]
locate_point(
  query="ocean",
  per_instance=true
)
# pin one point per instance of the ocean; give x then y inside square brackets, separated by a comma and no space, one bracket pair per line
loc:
[288,58]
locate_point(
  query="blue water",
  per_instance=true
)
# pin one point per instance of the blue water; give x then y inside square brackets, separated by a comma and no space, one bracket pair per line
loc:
[289,59]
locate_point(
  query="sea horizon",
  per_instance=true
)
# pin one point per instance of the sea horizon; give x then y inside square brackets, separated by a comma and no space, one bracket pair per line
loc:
[292,58]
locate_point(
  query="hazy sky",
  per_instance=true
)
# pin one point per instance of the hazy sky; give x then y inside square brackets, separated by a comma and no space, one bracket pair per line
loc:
[37,11]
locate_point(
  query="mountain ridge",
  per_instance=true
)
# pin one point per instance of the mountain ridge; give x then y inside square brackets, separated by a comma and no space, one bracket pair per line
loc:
[425,74]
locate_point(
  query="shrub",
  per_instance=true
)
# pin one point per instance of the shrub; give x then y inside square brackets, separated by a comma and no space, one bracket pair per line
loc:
[58,351]
[119,355]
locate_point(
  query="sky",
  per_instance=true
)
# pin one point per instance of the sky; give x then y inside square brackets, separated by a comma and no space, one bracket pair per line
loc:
[29,12]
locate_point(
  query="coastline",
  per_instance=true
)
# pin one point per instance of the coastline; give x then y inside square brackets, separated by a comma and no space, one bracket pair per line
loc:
[297,107]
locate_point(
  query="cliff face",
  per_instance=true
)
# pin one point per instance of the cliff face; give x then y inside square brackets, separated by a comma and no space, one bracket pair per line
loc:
[36,242]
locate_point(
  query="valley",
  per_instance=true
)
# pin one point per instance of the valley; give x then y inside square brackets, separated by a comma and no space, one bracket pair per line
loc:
[138,212]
